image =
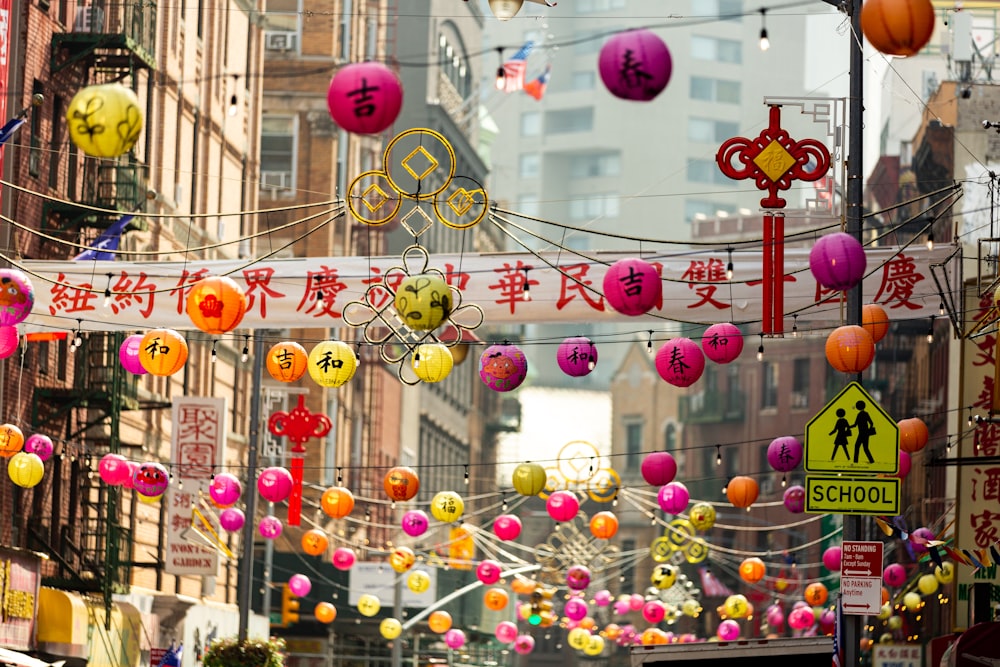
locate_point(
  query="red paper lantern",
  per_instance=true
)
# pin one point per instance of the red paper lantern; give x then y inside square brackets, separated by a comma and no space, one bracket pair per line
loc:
[838,261]
[365,98]
[632,286]
[163,352]
[875,321]
[722,342]
[742,491]
[680,362]
[287,362]
[635,65]
[850,349]
[913,434]
[898,27]
[216,305]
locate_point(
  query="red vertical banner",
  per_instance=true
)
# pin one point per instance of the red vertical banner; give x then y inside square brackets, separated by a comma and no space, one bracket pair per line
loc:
[5,21]
[778,275]
[768,272]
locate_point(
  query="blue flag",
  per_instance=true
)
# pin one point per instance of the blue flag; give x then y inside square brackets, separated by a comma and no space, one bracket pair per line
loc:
[172,658]
[102,250]
[9,128]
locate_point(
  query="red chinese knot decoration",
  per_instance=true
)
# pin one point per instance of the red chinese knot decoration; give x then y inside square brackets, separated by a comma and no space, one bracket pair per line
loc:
[216,305]
[635,65]
[632,286]
[365,98]
[680,362]
[298,425]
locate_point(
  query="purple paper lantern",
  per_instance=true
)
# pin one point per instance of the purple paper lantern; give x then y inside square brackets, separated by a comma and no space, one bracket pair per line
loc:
[503,367]
[894,575]
[150,479]
[225,489]
[17,297]
[489,572]
[838,261]
[9,340]
[575,609]
[128,355]
[576,356]
[784,454]
[507,527]
[635,65]
[299,585]
[658,468]
[114,469]
[673,498]
[918,538]
[415,523]
[232,519]
[562,505]
[274,484]
[270,527]
[680,362]
[728,630]
[632,286]
[795,499]
[365,98]
[832,559]
[722,342]
[40,445]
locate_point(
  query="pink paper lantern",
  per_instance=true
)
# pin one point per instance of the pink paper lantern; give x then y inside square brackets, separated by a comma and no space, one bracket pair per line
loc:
[415,523]
[635,601]
[274,484]
[343,558]
[576,356]
[575,609]
[918,538]
[621,607]
[801,618]
[632,286]
[838,261]
[673,498]
[775,617]
[299,585]
[894,575]
[795,499]
[114,469]
[365,98]
[562,505]
[225,489]
[506,632]
[635,65]
[17,297]
[132,466]
[602,598]
[658,468]
[232,519]
[577,577]
[454,638]
[507,527]
[680,362]
[40,445]
[728,630]
[904,465]
[503,367]
[9,339]
[784,454]
[524,644]
[128,355]
[832,559]
[270,527]
[722,342]
[488,572]
[150,479]
[654,611]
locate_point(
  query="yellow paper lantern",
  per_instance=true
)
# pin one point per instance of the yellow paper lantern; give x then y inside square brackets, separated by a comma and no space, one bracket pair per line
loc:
[287,361]
[104,120]
[594,646]
[439,621]
[529,479]
[11,440]
[885,611]
[25,469]
[418,581]
[577,638]
[423,301]
[945,573]
[163,352]
[149,500]
[702,516]
[325,612]
[896,622]
[664,576]
[402,559]
[690,607]
[912,601]
[369,604]
[390,628]
[447,506]
[332,363]
[216,304]
[737,606]
[432,362]
[927,584]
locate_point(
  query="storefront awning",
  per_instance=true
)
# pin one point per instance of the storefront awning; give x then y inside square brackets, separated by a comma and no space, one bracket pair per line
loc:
[9,657]
[62,623]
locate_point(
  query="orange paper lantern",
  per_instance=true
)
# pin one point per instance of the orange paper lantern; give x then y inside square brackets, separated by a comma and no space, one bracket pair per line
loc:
[337,502]
[325,612]
[11,440]
[752,570]
[163,352]
[875,321]
[913,434]
[314,542]
[496,599]
[401,483]
[816,594]
[439,621]
[287,362]
[603,525]
[742,491]
[898,27]
[850,349]
[216,304]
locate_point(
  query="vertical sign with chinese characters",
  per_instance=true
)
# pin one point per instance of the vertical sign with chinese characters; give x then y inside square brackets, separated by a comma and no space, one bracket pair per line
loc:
[5,19]
[197,447]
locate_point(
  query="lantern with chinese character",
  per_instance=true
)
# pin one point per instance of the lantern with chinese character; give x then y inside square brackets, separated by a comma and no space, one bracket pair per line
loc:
[9,340]
[894,575]
[315,542]
[332,363]
[216,304]
[447,506]
[39,444]
[401,483]
[225,489]
[423,301]
[875,321]
[794,499]
[365,98]
[632,286]
[418,581]
[603,525]
[850,349]
[369,604]
[680,362]
[784,454]
[702,516]
[390,628]
[503,367]
[913,434]
[432,362]
[562,505]
[11,440]
[635,65]
[274,484]
[838,261]
[287,361]
[128,354]
[898,27]
[742,491]
[576,356]
[163,352]
[722,342]
[658,468]
[337,502]
[150,479]
[752,570]
[816,594]
[104,120]
[673,498]
[529,479]
[415,523]
[270,527]
[25,469]
[17,297]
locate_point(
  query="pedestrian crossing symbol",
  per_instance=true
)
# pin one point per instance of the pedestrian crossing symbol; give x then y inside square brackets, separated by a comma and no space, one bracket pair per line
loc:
[852,435]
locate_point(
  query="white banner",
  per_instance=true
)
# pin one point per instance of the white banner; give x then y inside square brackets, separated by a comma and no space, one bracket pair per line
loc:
[380,580]
[312,292]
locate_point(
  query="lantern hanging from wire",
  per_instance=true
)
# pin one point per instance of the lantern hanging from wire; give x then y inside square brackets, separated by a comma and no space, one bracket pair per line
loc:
[635,65]
[742,491]
[287,361]
[365,98]
[128,354]
[632,286]
[850,349]
[17,297]
[401,483]
[432,362]
[838,261]
[503,367]
[423,301]
[576,356]
[11,440]
[39,444]
[104,120]
[216,304]
[332,363]
[898,27]
[163,352]
[722,342]
[25,469]
[680,362]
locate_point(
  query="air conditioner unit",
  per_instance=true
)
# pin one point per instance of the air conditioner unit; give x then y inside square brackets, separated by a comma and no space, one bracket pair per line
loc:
[280,41]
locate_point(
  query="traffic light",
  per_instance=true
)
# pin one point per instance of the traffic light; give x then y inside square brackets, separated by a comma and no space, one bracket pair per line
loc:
[535,617]
[289,606]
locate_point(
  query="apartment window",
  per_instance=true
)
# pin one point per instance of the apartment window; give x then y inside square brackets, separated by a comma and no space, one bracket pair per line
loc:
[454,65]
[530,165]
[727,10]
[716,49]
[700,209]
[800,384]
[768,385]
[277,153]
[531,124]
[55,141]
[35,150]
[584,80]
[594,165]
[670,437]
[570,120]
[528,205]
[633,444]
[596,206]
[711,131]
[592,6]
[705,171]
[715,90]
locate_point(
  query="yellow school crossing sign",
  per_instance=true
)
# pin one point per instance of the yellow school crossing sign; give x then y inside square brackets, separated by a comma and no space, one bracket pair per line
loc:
[852,435]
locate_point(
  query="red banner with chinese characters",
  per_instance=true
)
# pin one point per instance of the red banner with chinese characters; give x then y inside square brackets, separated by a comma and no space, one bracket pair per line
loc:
[5,21]
[312,292]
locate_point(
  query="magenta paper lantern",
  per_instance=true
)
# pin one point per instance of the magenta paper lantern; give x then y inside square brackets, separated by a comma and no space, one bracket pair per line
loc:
[562,505]
[673,498]
[132,466]
[578,577]
[904,465]
[150,479]
[775,617]
[503,367]
[454,638]
[918,538]
[658,468]
[114,469]
[635,65]
[838,261]
[602,598]
[232,519]
[415,523]
[654,611]
[488,572]
[894,575]
[784,454]
[365,98]
[632,286]
[680,362]
[128,355]
[40,445]
[801,618]
[506,632]
[274,484]
[17,297]
[728,630]
[225,489]
[832,558]
[524,644]
[270,527]
[343,558]
[576,356]
[795,499]
[575,609]
[722,342]
[9,339]
[507,527]
[299,585]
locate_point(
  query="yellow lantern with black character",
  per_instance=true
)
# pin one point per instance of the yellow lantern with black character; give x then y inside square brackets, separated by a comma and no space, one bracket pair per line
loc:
[432,362]
[104,120]
[332,363]
[423,301]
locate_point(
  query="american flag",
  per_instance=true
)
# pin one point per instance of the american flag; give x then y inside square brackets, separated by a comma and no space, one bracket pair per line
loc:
[514,69]
[536,87]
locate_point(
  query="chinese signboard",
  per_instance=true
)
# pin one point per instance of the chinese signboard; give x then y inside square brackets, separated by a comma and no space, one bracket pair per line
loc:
[861,577]
[19,579]
[198,442]
[897,655]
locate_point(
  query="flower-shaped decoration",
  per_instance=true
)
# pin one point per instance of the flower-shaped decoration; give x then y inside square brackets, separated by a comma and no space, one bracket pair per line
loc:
[384,328]
[571,544]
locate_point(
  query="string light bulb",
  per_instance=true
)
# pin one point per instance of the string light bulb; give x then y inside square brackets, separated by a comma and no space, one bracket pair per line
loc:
[501,81]
[718,455]
[215,354]
[505,10]
[649,342]
[969,421]
[765,43]
[941,309]
[930,330]
[246,349]
[760,349]
[466,475]
[78,338]
[107,293]
[233,102]
[729,266]
[416,364]
[795,325]
[930,240]
[526,292]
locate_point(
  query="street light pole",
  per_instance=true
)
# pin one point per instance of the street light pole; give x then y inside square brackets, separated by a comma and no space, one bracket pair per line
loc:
[245,580]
